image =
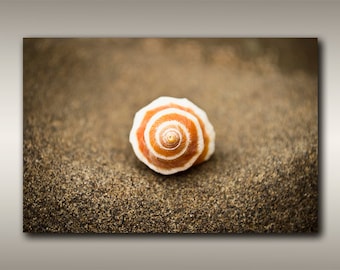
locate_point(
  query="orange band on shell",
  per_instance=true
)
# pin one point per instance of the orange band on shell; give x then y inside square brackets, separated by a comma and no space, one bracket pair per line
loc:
[179,162]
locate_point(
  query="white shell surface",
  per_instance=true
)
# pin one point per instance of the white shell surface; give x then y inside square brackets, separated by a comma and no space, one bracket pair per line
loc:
[198,120]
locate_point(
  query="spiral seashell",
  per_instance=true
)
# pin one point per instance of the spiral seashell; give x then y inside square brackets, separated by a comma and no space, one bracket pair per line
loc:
[171,135]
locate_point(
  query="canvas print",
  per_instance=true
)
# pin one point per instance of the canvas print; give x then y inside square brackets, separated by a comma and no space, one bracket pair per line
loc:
[170,135]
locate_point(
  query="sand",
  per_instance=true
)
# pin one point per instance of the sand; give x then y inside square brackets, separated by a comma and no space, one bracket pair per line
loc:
[81,175]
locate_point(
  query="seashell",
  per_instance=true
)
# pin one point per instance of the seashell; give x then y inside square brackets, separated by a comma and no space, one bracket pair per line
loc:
[172,134]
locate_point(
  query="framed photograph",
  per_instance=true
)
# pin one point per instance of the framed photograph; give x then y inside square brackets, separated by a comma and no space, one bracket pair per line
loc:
[170,135]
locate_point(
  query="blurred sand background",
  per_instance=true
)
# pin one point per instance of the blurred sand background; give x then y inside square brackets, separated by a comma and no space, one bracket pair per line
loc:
[80,173]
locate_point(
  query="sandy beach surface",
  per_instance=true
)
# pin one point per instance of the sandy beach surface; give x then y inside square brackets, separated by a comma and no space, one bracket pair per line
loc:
[80,173]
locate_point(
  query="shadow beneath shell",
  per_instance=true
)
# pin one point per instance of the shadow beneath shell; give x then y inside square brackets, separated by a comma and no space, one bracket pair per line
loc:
[220,164]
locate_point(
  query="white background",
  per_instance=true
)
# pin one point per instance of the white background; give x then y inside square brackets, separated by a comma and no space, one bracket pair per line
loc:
[19,19]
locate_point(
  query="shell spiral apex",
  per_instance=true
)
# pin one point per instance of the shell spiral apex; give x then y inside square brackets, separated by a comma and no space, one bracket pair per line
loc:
[172,134]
